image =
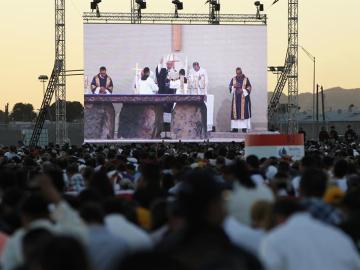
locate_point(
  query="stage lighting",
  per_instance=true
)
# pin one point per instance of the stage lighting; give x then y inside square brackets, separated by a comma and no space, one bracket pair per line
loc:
[141,3]
[259,7]
[215,4]
[94,5]
[179,5]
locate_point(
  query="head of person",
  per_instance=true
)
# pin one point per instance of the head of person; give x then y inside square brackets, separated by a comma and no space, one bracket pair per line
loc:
[313,183]
[196,66]
[332,128]
[283,209]
[32,244]
[200,200]
[63,252]
[349,126]
[92,214]
[239,72]
[341,168]
[239,171]
[102,71]
[169,64]
[33,208]
[145,74]
[182,72]
[253,162]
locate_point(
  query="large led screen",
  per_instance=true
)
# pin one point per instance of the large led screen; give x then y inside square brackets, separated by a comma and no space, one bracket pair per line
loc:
[154,81]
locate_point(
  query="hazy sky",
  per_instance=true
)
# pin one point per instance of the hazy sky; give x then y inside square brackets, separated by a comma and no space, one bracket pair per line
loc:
[329,29]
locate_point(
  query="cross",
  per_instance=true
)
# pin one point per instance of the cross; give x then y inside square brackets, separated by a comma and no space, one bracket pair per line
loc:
[176,38]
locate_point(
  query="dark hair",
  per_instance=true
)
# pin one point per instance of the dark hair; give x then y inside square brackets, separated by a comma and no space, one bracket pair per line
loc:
[122,207]
[56,176]
[182,71]
[196,64]
[159,214]
[341,168]
[100,182]
[238,68]
[92,213]
[197,191]
[63,252]
[313,183]
[152,260]
[73,168]
[253,161]
[146,70]
[32,244]
[240,170]
[35,207]
[286,207]
[102,68]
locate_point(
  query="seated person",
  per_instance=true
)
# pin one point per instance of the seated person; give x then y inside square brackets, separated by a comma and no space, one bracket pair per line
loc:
[147,85]
[102,83]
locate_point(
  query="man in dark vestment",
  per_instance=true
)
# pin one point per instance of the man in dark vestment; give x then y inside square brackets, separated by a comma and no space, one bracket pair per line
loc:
[240,88]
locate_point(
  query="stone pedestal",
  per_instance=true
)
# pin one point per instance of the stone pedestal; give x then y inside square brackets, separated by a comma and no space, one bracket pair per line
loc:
[140,121]
[99,121]
[189,121]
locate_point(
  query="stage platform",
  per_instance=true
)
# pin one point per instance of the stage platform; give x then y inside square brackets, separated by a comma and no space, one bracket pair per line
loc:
[213,137]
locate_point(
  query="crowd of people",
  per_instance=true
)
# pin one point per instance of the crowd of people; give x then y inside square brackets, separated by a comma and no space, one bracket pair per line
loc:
[178,206]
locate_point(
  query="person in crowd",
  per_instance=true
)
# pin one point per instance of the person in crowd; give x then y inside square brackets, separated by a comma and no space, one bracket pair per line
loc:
[190,206]
[334,136]
[313,185]
[350,134]
[323,135]
[298,241]
[245,193]
[339,174]
[104,248]
[202,241]
[119,214]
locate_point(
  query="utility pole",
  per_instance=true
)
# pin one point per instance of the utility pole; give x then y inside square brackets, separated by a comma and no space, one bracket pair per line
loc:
[323,104]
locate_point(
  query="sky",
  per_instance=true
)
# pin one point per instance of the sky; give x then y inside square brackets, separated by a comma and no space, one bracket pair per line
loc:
[328,29]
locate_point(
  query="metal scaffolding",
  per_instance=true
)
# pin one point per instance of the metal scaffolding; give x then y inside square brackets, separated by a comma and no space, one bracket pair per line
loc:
[60,85]
[293,78]
[289,74]
[184,18]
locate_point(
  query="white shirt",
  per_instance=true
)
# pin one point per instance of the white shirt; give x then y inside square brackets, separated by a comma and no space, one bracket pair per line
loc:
[136,238]
[199,78]
[242,235]
[148,86]
[242,199]
[296,185]
[67,222]
[342,184]
[305,243]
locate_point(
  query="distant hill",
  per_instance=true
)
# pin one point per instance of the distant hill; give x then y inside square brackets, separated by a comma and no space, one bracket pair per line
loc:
[335,98]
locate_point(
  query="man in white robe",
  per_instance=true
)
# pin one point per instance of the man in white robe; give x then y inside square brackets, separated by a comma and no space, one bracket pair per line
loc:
[198,80]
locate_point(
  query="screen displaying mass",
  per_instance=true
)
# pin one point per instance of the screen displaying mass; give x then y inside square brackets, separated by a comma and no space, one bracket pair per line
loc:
[151,82]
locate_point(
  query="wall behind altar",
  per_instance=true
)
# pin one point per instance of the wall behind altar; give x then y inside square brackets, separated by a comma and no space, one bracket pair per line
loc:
[218,48]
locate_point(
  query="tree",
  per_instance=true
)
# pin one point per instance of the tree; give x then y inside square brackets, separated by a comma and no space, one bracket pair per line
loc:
[74,111]
[23,112]
[2,116]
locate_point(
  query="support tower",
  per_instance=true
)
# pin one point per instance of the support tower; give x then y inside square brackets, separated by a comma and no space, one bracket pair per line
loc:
[293,83]
[60,86]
